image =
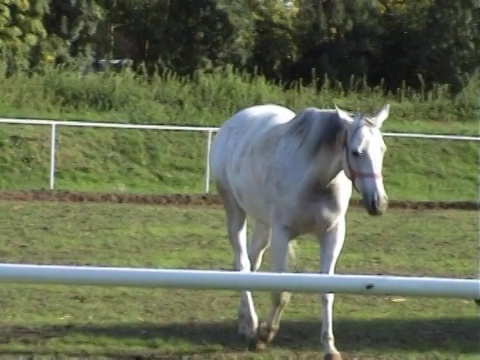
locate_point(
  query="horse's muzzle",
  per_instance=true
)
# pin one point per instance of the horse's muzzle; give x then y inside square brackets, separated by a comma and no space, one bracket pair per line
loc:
[375,204]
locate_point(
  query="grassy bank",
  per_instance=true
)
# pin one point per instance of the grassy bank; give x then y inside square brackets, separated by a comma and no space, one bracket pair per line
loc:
[151,161]
[127,323]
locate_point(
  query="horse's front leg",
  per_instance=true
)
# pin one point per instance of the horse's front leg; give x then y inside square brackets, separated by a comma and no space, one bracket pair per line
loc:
[279,263]
[331,243]
[237,233]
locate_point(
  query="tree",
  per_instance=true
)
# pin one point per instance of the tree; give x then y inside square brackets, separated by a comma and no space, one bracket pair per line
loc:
[74,27]
[336,38]
[182,36]
[451,42]
[275,47]
[21,31]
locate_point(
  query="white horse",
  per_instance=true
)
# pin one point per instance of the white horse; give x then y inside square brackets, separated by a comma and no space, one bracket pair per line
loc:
[293,174]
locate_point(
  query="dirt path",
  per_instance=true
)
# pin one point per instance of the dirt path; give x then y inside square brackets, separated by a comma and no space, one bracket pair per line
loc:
[194,199]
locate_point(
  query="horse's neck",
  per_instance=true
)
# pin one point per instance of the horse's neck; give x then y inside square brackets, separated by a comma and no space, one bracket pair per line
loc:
[327,166]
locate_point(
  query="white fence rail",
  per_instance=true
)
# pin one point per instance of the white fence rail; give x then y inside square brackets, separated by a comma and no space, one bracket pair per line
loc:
[234,280]
[209,130]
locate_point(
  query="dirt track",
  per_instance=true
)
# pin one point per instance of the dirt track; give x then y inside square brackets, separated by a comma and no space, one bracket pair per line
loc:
[194,199]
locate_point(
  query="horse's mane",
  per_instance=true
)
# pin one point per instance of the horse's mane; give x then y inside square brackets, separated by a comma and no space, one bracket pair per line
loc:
[316,128]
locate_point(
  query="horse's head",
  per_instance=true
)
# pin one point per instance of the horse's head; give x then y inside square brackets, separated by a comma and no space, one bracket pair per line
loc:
[363,153]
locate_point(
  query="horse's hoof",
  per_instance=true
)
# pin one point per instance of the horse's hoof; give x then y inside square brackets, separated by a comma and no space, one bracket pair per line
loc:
[251,342]
[266,334]
[256,345]
[335,356]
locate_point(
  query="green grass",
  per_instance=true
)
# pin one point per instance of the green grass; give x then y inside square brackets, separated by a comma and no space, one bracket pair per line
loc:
[167,162]
[123,323]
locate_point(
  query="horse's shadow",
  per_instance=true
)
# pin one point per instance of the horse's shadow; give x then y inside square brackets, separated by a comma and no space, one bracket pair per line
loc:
[421,335]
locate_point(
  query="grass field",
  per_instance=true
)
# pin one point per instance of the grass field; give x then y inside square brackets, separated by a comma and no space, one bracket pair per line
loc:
[124,323]
[96,323]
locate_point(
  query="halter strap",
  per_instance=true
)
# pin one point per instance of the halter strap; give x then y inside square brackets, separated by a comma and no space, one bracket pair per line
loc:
[357,174]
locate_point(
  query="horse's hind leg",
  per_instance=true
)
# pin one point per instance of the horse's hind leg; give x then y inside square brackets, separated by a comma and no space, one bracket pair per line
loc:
[237,233]
[259,243]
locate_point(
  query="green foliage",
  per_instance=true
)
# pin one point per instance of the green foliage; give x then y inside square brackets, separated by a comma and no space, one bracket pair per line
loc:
[385,42]
[455,50]
[389,41]
[21,31]
[275,46]
[440,40]
[183,36]
[76,24]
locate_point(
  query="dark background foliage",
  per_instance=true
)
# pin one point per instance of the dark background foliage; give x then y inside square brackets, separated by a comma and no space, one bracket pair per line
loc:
[390,42]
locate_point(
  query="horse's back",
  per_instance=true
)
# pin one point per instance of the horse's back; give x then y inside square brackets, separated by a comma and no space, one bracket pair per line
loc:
[240,131]
[253,119]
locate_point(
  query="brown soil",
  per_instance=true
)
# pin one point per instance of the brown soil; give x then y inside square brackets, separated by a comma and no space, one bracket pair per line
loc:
[195,199]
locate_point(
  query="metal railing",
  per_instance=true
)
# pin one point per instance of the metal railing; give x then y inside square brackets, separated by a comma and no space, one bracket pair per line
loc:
[209,130]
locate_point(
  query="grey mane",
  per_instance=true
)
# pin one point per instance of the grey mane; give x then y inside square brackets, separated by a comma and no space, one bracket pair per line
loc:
[316,128]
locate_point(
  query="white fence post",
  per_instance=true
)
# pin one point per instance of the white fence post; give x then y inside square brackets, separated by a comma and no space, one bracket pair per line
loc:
[207,163]
[53,143]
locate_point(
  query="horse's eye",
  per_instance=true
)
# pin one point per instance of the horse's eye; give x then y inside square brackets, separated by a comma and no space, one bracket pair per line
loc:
[356,153]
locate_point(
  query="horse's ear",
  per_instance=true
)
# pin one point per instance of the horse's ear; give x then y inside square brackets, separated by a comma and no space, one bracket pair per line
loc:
[343,114]
[382,115]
